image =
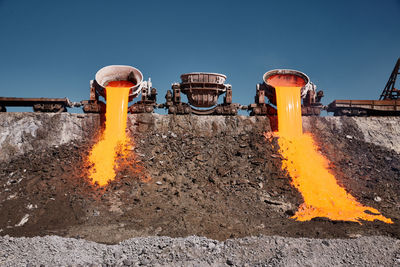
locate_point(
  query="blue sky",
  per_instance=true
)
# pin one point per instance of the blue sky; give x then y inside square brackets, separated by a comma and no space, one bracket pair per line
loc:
[53,48]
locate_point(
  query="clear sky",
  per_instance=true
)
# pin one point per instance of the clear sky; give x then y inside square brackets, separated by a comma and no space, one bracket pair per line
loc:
[54,48]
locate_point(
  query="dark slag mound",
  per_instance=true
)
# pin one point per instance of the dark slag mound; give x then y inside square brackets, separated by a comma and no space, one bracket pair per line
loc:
[223,183]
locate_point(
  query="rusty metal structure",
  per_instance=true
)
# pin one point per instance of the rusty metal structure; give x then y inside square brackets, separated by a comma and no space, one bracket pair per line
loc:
[390,92]
[146,104]
[387,105]
[202,90]
[364,107]
[311,99]
[38,104]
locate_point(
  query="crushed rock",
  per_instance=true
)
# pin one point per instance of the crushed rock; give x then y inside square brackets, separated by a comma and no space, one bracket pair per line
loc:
[200,251]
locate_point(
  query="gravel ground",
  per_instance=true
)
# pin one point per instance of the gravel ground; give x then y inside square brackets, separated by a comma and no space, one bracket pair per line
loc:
[200,251]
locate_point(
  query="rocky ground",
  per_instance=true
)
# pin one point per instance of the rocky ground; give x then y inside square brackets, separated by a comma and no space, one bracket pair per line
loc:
[200,251]
[216,177]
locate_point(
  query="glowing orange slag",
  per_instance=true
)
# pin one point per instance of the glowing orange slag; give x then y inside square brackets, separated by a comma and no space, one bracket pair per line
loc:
[114,140]
[309,170]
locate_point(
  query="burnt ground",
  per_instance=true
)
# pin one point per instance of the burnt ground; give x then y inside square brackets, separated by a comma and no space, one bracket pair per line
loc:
[220,186]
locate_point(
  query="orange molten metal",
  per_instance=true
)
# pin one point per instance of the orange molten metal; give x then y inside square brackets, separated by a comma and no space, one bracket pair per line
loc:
[114,139]
[323,197]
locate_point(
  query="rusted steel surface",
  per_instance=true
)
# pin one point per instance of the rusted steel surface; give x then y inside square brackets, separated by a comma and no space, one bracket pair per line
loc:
[38,104]
[118,73]
[29,102]
[364,107]
[93,106]
[290,74]
[311,105]
[262,110]
[202,90]
[314,110]
[393,105]
[146,104]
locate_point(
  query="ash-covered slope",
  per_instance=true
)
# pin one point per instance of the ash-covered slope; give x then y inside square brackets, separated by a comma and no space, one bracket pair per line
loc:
[211,176]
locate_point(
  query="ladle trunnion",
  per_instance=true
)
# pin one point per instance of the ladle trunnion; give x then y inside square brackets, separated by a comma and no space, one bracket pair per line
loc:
[311,100]
[202,90]
[121,73]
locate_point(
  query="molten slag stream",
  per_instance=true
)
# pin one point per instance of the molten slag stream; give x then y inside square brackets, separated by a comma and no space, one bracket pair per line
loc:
[114,140]
[309,170]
